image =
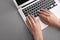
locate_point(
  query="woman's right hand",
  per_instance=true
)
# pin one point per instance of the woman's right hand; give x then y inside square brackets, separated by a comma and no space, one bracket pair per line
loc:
[49,18]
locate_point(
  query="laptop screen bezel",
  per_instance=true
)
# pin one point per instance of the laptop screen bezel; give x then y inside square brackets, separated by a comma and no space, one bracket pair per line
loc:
[18,6]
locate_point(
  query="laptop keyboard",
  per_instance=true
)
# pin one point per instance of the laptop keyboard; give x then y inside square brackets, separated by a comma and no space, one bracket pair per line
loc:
[33,9]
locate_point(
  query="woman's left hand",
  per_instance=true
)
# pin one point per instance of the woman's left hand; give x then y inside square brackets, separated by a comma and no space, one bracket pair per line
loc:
[34,27]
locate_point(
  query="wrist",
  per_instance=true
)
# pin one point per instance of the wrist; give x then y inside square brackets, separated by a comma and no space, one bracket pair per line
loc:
[58,24]
[38,36]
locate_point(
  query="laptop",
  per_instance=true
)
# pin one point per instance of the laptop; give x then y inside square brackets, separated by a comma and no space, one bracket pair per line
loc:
[31,7]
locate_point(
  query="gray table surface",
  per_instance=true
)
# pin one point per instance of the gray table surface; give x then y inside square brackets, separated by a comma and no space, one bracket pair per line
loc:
[12,26]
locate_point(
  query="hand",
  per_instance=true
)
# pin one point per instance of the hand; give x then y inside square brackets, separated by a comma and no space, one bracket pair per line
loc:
[34,27]
[48,18]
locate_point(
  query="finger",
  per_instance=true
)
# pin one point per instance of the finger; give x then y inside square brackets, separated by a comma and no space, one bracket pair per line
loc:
[38,21]
[44,13]
[28,25]
[43,20]
[31,20]
[34,18]
[45,10]
[44,17]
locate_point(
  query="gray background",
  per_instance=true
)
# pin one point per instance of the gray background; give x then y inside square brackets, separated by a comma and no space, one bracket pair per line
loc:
[12,26]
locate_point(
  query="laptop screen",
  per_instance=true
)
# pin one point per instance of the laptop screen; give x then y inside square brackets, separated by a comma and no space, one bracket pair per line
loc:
[19,2]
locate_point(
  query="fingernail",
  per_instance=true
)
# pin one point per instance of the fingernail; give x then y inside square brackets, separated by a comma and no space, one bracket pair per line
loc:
[38,11]
[28,15]
[41,8]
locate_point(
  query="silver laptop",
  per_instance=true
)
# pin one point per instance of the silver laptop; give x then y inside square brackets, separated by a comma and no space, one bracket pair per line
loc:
[31,7]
